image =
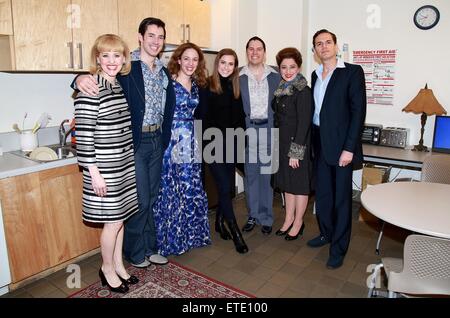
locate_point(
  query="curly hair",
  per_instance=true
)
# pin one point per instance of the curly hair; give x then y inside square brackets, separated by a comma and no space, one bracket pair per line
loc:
[200,74]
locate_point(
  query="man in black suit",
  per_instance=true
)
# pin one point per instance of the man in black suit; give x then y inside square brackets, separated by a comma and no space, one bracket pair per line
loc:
[340,109]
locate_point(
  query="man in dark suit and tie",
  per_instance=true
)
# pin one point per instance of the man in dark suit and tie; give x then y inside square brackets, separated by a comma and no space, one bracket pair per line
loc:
[340,110]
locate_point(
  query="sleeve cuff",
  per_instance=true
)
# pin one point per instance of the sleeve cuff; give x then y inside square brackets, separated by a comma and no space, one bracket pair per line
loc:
[296,151]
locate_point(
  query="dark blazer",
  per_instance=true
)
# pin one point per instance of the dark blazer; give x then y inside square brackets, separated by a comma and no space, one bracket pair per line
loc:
[343,113]
[133,88]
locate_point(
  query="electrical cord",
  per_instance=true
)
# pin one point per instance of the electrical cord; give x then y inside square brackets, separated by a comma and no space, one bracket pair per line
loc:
[396,176]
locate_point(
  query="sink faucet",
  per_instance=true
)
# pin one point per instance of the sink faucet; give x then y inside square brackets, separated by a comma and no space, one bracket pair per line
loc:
[63,133]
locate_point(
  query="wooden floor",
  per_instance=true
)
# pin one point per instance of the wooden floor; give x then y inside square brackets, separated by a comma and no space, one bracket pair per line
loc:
[272,268]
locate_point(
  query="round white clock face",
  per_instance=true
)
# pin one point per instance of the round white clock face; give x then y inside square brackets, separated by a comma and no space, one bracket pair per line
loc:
[426,17]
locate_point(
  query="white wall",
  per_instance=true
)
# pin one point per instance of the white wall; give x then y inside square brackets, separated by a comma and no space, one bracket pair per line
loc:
[234,22]
[224,31]
[422,56]
[279,25]
[34,94]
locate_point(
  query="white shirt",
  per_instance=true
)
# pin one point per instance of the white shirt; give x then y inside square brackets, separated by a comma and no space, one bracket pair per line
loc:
[320,89]
[258,92]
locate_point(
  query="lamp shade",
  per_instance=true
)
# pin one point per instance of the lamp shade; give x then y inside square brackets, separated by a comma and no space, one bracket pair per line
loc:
[425,102]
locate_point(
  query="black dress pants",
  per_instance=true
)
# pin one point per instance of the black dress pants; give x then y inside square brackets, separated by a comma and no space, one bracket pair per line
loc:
[333,200]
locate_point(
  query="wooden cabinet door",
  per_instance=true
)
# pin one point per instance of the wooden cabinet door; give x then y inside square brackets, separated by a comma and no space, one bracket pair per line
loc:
[198,22]
[171,12]
[96,17]
[5,17]
[66,234]
[25,225]
[131,13]
[42,34]
[42,220]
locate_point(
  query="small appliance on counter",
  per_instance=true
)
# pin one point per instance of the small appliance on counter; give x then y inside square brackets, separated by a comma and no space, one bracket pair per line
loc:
[394,137]
[371,134]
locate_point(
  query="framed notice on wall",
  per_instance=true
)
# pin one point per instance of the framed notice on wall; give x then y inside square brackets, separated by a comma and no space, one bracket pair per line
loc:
[379,69]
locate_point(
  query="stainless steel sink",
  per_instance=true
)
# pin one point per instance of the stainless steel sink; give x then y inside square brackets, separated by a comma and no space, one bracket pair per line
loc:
[62,152]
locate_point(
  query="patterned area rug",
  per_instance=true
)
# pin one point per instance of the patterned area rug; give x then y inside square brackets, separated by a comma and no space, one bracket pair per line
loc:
[168,281]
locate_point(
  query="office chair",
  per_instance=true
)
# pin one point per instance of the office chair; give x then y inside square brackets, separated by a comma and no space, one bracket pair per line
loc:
[436,169]
[424,270]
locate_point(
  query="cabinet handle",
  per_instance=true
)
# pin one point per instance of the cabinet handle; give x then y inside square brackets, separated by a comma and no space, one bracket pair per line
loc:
[80,52]
[188,27]
[70,46]
[183,26]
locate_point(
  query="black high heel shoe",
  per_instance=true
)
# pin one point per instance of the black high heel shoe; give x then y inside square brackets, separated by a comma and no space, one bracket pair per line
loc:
[281,233]
[132,280]
[294,237]
[221,228]
[238,240]
[122,288]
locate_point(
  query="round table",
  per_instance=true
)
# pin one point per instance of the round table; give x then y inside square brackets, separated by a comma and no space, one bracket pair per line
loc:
[421,207]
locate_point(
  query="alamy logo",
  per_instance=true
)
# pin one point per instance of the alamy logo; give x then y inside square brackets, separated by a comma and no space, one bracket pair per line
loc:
[232,146]
[374,19]
[74,17]
[74,278]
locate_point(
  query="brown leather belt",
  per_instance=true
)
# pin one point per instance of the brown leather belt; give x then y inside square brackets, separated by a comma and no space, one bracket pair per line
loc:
[151,128]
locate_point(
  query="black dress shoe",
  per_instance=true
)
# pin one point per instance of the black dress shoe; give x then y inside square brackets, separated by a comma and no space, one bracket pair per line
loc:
[335,262]
[250,225]
[122,288]
[318,241]
[132,280]
[281,233]
[266,229]
[294,237]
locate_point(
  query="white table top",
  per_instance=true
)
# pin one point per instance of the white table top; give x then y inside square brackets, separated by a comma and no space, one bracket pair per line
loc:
[421,207]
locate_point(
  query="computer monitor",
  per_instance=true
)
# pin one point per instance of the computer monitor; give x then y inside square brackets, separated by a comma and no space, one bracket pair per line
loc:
[441,136]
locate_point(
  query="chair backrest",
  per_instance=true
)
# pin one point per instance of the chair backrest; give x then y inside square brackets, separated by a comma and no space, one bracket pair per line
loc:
[436,168]
[426,267]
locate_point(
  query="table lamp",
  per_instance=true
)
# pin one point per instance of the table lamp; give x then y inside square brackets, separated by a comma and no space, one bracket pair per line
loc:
[426,104]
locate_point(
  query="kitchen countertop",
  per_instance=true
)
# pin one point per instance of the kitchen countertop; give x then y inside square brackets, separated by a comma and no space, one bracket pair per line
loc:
[12,165]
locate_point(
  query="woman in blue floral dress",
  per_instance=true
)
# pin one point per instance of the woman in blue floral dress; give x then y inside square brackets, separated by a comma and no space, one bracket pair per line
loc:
[181,209]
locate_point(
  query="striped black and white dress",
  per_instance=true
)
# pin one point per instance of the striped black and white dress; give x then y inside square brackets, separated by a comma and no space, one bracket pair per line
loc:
[104,139]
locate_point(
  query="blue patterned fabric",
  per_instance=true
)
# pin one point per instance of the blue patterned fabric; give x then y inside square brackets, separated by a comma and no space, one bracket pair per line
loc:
[155,84]
[181,209]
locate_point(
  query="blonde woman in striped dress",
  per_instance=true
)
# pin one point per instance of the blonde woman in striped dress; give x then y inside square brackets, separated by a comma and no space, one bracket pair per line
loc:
[105,152]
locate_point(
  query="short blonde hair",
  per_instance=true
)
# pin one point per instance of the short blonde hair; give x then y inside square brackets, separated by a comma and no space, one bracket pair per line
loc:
[108,43]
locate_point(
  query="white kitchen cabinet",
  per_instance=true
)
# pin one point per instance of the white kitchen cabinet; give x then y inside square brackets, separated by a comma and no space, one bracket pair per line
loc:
[57,35]
[186,20]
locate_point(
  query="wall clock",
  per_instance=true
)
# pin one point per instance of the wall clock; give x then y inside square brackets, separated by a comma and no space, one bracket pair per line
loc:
[426,17]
